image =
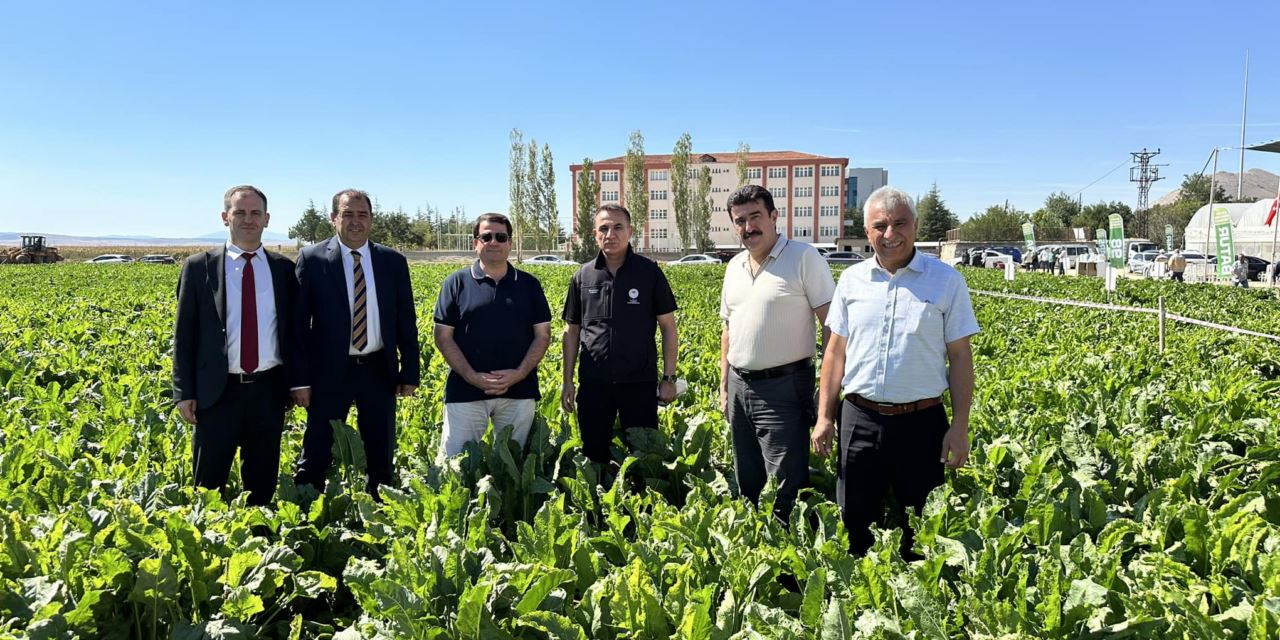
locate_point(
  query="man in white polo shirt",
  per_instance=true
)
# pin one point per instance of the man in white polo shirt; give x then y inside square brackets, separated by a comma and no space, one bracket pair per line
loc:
[772,294]
[900,327]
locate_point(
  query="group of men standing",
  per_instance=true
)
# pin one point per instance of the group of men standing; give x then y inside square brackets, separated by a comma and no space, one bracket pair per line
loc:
[255,334]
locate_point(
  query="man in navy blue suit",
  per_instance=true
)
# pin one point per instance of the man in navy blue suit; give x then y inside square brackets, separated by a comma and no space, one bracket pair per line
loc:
[357,338]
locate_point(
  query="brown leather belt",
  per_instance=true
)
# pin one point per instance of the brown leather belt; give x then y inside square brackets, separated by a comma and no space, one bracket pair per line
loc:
[893,409]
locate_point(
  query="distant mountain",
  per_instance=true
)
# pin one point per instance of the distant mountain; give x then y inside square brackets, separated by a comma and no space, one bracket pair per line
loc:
[1258,185]
[57,240]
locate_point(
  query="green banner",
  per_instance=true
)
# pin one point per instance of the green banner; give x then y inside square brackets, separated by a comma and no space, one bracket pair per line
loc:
[1101,235]
[1029,234]
[1115,248]
[1226,242]
[1168,237]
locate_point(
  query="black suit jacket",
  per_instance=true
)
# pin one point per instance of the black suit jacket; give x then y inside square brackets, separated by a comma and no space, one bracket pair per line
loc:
[322,316]
[200,330]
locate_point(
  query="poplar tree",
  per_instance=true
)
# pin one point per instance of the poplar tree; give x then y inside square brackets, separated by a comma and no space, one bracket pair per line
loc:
[744,150]
[702,221]
[517,186]
[637,198]
[550,211]
[588,189]
[533,199]
[681,194]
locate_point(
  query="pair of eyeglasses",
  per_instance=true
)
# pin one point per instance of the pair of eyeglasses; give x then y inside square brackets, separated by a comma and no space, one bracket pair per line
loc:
[490,237]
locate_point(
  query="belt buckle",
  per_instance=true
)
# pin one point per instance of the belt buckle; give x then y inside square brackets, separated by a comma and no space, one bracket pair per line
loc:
[242,379]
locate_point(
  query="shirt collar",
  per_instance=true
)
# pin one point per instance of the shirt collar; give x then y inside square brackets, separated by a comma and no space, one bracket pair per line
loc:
[916,263]
[778,245]
[601,263]
[479,274]
[363,249]
[235,252]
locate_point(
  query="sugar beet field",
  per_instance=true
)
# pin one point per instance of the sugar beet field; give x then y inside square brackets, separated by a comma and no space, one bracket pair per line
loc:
[1113,491]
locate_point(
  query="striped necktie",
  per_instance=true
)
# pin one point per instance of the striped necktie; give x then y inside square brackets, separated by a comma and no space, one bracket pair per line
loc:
[359,328]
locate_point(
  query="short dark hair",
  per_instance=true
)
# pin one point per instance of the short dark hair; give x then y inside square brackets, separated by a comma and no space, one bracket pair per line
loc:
[614,208]
[491,217]
[226,197]
[748,194]
[350,192]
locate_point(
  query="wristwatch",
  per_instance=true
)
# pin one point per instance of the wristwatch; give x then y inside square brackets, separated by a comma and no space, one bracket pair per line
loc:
[671,378]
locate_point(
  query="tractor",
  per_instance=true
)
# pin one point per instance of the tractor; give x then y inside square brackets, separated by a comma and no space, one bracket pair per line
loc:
[32,251]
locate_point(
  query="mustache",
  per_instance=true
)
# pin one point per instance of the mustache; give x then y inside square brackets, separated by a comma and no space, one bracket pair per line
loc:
[751,234]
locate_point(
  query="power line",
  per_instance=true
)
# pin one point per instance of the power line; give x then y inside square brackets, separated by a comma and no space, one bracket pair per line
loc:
[1117,167]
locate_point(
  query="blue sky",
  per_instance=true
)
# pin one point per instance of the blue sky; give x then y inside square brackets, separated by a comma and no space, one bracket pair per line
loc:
[133,119]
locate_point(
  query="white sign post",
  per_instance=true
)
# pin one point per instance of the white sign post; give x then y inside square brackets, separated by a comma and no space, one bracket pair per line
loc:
[1009,270]
[1112,274]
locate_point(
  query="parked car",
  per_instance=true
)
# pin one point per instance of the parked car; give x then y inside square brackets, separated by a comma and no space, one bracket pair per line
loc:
[1010,251]
[695,258]
[1141,261]
[1257,267]
[845,257]
[110,258]
[158,258]
[996,259]
[548,259]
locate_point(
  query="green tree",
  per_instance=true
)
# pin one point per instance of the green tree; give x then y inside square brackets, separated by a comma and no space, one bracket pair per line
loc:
[1049,227]
[702,211]
[1195,188]
[312,226]
[998,223]
[934,217]
[682,195]
[517,187]
[1177,215]
[550,210]
[533,233]
[1059,205]
[424,226]
[1096,215]
[588,190]
[637,184]
[394,228]
[744,151]
[855,225]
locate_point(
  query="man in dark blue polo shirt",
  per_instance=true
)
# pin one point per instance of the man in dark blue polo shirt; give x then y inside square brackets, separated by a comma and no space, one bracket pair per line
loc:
[493,326]
[613,305]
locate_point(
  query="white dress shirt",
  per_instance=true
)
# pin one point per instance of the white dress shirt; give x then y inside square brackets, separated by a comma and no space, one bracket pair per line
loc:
[264,293]
[374,327]
[898,326]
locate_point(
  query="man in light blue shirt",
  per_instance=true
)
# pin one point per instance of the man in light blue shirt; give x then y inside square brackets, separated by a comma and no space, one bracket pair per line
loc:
[900,327]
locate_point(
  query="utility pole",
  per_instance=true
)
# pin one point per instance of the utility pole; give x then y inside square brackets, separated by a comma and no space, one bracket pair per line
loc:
[1144,173]
[1244,117]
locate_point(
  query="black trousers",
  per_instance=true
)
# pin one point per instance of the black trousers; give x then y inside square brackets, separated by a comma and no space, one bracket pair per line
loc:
[770,421]
[632,404]
[880,453]
[248,417]
[366,384]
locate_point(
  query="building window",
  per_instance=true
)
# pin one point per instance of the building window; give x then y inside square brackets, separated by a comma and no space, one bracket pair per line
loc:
[658,174]
[828,210]
[657,234]
[777,172]
[608,176]
[803,192]
[830,170]
[827,232]
[657,214]
[778,192]
[753,173]
[803,232]
[609,196]
[658,194]
[804,212]
[804,172]
[833,190]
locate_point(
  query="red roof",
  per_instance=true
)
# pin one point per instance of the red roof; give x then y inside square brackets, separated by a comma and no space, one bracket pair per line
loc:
[724,156]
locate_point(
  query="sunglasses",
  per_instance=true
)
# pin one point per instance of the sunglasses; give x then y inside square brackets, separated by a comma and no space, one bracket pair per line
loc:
[490,237]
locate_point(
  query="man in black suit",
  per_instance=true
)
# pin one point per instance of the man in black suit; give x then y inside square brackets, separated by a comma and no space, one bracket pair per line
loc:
[357,340]
[231,347]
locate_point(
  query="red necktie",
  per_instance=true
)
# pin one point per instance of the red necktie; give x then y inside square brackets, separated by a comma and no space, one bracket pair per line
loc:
[248,318]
